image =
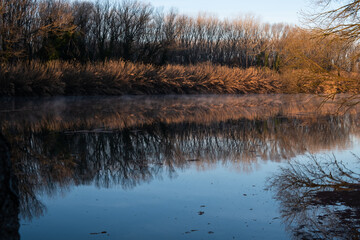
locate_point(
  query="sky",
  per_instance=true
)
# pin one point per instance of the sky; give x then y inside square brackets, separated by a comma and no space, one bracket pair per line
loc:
[272,11]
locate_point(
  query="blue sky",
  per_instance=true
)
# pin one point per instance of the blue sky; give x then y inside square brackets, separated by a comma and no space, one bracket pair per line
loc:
[272,11]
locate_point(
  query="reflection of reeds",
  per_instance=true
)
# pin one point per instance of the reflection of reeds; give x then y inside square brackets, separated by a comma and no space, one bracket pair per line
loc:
[123,112]
[286,125]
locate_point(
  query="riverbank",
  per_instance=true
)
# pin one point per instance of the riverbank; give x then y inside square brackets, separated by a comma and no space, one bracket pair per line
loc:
[120,77]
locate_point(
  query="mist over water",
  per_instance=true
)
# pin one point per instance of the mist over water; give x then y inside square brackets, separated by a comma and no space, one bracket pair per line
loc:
[179,166]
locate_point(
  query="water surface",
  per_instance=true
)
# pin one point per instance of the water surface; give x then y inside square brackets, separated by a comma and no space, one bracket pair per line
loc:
[184,167]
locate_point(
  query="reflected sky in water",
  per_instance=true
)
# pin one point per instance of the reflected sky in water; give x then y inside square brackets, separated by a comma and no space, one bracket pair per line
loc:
[179,167]
[167,208]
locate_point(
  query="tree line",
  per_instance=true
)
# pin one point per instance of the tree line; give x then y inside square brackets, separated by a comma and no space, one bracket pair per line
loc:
[135,31]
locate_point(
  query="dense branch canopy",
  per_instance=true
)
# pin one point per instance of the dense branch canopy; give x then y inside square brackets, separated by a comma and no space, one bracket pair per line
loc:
[343,19]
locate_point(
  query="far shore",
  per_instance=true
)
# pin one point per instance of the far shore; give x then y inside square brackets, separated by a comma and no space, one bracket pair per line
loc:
[60,78]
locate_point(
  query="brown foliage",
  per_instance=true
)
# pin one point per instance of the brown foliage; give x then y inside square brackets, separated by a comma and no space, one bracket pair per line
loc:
[119,77]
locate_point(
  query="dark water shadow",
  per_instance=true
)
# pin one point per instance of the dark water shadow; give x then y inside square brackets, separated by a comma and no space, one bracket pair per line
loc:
[9,195]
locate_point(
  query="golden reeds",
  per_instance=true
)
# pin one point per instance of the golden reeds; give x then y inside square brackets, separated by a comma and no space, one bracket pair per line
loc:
[120,77]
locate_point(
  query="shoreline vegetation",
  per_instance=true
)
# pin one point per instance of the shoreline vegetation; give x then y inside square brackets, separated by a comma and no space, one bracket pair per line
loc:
[57,78]
[60,47]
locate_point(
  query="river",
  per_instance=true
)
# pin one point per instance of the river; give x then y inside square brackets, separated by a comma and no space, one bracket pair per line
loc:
[183,167]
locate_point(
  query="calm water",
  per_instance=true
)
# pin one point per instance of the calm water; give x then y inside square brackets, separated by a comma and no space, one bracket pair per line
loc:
[184,167]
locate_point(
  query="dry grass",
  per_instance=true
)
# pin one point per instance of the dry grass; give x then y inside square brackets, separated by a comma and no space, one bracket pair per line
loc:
[307,81]
[119,77]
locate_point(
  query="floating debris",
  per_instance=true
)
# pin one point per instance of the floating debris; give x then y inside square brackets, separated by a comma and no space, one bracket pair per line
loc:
[103,232]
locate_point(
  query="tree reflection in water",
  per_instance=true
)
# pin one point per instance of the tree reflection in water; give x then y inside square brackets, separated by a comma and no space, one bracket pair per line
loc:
[319,199]
[58,144]
[49,162]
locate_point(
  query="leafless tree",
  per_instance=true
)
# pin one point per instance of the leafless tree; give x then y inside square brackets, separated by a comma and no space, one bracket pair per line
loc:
[339,18]
[319,198]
